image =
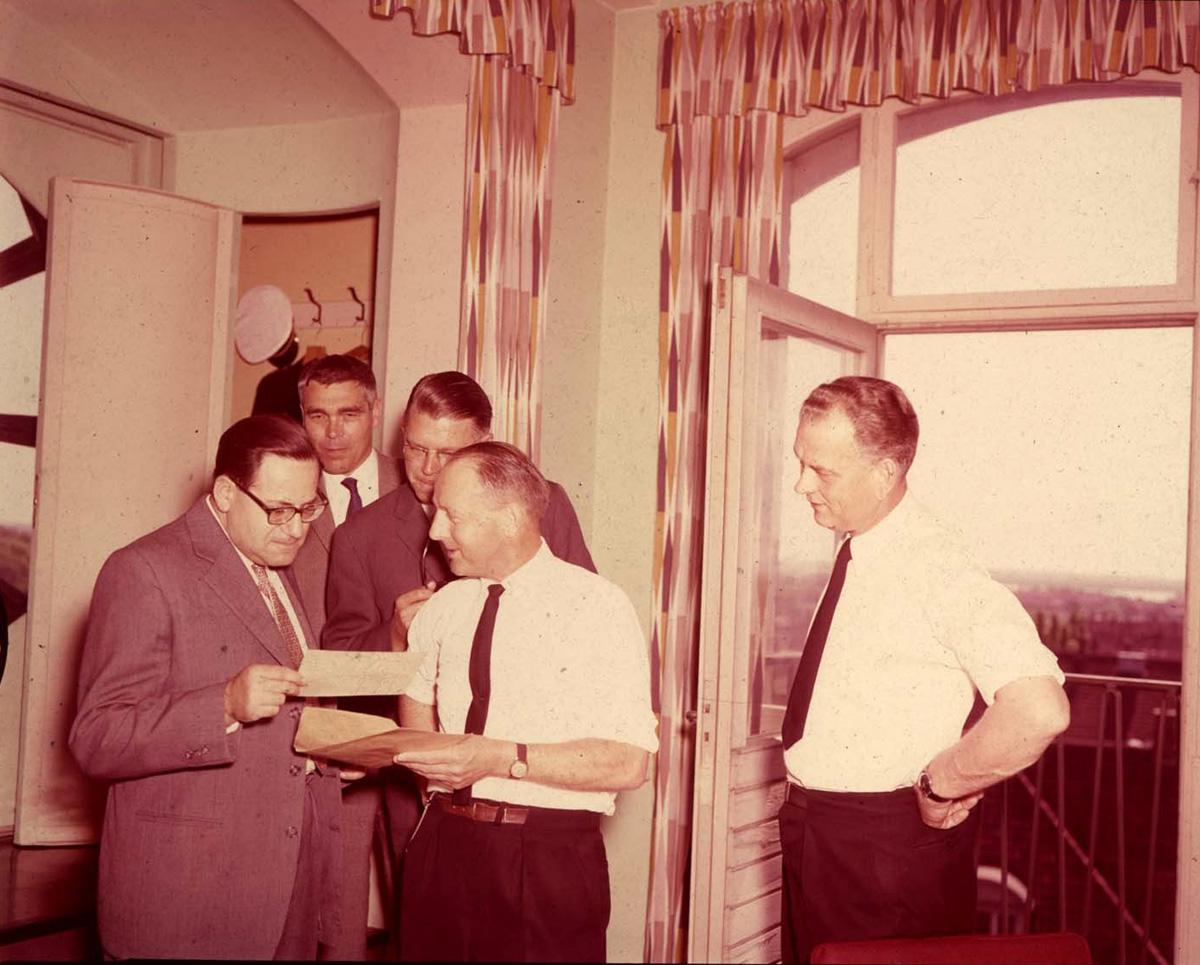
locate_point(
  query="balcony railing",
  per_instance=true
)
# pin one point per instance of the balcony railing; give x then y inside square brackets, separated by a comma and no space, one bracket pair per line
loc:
[1085,840]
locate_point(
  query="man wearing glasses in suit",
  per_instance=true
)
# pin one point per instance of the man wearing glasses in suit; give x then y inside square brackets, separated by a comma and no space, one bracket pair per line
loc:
[219,840]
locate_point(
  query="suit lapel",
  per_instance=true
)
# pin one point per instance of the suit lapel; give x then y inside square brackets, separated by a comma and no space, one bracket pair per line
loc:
[322,527]
[229,579]
[413,527]
[389,474]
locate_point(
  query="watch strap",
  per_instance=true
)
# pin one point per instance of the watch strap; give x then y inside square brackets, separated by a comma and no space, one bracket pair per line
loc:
[926,786]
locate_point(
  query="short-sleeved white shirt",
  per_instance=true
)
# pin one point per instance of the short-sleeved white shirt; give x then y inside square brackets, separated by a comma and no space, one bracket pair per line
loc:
[569,661]
[918,627]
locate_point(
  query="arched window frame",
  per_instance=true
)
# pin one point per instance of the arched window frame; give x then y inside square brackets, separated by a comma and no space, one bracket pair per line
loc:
[1085,307]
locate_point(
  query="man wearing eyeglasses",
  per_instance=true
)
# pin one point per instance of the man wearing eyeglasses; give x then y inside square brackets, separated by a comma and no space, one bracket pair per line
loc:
[384,565]
[219,841]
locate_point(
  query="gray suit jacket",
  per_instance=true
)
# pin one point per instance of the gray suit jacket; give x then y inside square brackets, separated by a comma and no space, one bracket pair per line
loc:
[312,563]
[201,834]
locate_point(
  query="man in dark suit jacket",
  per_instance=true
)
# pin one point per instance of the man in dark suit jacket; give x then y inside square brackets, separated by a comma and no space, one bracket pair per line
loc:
[340,407]
[219,841]
[384,565]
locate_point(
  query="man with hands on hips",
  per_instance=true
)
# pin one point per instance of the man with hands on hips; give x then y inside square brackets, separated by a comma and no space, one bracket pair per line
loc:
[876,827]
[541,666]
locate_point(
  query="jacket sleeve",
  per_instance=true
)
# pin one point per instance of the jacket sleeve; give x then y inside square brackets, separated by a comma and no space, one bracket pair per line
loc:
[560,527]
[129,722]
[353,619]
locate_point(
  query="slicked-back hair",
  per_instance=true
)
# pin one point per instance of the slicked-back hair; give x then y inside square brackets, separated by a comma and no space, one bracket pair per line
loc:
[507,473]
[885,424]
[244,444]
[331,369]
[451,395]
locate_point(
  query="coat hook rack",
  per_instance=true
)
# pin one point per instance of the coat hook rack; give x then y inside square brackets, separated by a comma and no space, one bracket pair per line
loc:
[313,298]
[362,308]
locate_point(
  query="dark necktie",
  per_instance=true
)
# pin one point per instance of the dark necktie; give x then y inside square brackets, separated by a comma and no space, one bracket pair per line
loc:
[481,673]
[814,646]
[355,499]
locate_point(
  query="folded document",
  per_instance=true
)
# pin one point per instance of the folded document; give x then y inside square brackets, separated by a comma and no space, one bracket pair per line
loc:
[362,739]
[352,673]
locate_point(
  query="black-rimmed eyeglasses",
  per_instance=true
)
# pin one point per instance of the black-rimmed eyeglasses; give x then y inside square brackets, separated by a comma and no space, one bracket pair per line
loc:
[278,515]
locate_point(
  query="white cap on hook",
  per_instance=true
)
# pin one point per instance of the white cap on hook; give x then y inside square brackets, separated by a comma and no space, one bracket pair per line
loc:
[264,323]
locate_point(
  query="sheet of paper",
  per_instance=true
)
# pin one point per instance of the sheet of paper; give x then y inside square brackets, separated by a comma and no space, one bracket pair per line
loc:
[346,673]
[361,739]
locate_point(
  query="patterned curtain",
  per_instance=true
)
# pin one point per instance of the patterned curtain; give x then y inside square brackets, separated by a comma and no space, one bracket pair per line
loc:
[522,71]
[728,73]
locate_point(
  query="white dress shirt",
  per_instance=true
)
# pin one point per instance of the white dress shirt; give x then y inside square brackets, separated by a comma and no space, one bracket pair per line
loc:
[367,478]
[569,661]
[918,627]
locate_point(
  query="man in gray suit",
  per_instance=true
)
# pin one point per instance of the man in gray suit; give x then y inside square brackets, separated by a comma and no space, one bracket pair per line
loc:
[340,406]
[219,841]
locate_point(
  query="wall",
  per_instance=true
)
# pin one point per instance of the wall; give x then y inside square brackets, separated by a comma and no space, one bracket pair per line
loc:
[426,78]
[626,420]
[325,255]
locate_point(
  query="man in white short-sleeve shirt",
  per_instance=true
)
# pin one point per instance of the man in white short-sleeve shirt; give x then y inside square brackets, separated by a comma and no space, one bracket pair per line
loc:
[876,826]
[542,666]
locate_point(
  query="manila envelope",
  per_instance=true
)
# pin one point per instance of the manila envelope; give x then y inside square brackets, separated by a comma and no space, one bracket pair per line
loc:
[361,739]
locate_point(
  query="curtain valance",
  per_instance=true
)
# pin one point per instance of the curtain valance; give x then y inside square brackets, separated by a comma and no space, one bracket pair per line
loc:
[537,37]
[788,56]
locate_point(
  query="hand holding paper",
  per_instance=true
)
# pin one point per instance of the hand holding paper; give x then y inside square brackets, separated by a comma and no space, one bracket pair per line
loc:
[361,739]
[468,759]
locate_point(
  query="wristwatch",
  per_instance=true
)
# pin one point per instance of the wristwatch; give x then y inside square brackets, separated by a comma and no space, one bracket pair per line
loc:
[520,767]
[926,788]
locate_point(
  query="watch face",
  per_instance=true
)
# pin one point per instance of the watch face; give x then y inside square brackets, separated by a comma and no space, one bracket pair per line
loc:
[518,769]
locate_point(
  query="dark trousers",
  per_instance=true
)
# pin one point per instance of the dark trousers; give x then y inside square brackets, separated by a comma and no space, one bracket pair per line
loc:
[392,793]
[313,913]
[536,892]
[863,866]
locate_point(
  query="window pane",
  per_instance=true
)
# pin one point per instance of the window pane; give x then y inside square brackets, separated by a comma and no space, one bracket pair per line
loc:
[821,201]
[21,334]
[794,553]
[1081,193]
[1063,459]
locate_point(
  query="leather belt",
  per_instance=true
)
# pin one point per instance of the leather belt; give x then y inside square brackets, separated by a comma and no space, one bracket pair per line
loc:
[794,794]
[486,812]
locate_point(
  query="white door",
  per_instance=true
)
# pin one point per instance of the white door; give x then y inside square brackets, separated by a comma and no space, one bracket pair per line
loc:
[765,564]
[133,399]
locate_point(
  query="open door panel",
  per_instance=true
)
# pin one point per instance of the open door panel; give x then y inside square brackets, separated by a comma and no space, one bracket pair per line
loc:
[133,399]
[765,565]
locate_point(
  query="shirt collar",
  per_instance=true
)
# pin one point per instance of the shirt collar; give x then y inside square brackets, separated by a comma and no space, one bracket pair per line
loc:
[888,533]
[366,474]
[249,563]
[530,572]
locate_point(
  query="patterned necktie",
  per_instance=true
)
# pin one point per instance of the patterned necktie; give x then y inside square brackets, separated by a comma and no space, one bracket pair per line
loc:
[286,628]
[481,673]
[355,499]
[814,646]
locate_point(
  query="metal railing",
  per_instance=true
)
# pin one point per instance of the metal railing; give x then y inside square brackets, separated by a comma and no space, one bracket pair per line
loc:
[1085,839]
